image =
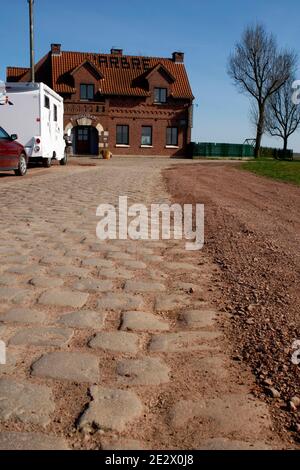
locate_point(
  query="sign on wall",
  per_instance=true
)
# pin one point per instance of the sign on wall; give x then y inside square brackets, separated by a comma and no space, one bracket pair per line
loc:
[122,62]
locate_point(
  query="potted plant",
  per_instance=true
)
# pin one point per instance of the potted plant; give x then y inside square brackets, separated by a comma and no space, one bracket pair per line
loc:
[106,154]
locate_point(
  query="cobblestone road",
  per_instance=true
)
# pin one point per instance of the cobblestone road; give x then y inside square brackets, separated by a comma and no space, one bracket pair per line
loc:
[111,345]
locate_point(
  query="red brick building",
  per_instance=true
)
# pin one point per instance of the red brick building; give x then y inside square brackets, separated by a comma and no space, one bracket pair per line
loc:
[133,105]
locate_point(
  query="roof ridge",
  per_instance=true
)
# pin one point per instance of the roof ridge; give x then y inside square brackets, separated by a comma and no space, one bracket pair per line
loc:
[120,55]
[14,67]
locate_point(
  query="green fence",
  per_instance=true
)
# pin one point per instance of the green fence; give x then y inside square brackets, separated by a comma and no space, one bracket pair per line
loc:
[208,149]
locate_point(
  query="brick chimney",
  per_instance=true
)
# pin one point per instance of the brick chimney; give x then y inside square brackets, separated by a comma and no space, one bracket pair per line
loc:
[178,57]
[114,51]
[56,49]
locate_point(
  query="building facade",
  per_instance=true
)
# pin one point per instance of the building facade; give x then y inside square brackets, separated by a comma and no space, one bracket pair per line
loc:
[132,105]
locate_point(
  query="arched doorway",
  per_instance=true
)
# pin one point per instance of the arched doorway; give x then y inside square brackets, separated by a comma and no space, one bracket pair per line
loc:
[85,140]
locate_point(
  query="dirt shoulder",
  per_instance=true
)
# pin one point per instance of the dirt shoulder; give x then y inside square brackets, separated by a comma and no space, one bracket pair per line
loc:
[253,234]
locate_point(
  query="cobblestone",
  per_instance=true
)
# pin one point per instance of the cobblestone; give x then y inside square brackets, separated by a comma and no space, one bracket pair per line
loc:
[199,318]
[117,273]
[93,285]
[84,319]
[64,298]
[73,366]
[15,295]
[139,287]
[133,264]
[23,315]
[170,302]
[42,336]
[116,341]
[117,301]
[147,371]
[98,263]
[31,441]
[46,282]
[69,271]
[143,321]
[121,444]
[111,409]
[25,402]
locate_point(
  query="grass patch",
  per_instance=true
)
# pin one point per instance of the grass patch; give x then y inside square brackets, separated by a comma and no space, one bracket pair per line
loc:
[279,170]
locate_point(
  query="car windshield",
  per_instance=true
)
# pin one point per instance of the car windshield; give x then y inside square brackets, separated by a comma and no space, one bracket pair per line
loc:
[3,134]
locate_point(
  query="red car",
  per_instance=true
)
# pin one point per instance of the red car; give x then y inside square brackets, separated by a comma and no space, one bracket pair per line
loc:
[12,154]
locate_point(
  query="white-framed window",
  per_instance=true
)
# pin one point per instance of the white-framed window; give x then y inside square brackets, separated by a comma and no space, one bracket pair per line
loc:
[122,135]
[172,136]
[146,135]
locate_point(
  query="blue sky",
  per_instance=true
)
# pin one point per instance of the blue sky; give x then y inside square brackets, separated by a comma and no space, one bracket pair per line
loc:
[205,30]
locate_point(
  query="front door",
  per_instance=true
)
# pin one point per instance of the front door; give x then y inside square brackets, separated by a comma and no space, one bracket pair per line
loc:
[83,140]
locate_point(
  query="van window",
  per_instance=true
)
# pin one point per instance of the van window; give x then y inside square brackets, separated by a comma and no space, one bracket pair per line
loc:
[47,102]
[55,112]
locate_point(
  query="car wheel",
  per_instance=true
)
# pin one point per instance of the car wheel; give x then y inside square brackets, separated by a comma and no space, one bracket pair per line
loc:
[22,167]
[47,162]
[64,161]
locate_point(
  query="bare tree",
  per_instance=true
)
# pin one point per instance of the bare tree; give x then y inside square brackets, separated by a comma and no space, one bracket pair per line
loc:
[282,115]
[258,68]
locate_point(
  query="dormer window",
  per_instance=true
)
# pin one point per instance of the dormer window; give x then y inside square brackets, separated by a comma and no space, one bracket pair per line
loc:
[87,92]
[160,95]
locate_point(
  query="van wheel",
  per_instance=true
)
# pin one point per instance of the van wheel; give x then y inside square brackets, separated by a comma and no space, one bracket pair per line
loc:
[47,162]
[64,161]
[22,167]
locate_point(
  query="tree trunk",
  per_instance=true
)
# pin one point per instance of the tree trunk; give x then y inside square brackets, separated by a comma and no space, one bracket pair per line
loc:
[260,130]
[285,146]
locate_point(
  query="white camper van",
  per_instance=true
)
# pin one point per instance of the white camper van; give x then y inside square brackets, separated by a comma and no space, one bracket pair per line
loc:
[35,113]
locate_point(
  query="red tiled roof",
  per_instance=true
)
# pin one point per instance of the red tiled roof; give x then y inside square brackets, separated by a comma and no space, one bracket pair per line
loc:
[16,73]
[118,81]
[121,80]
